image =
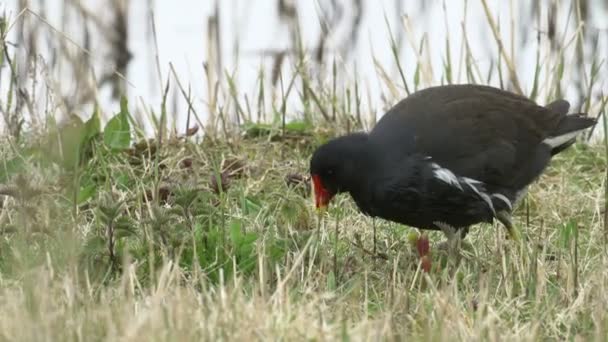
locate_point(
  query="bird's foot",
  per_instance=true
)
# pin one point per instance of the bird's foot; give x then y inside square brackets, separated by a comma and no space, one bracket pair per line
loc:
[452,249]
[453,235]
[374,253]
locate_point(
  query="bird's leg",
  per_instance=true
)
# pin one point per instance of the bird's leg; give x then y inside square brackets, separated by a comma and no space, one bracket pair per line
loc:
[463,232]
[448,231]
[505,218]
[454,236]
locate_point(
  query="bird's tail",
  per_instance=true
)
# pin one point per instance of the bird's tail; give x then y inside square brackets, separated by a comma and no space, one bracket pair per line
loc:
[569,127]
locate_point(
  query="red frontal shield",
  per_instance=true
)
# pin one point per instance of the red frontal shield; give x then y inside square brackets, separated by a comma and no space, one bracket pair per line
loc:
[322,195]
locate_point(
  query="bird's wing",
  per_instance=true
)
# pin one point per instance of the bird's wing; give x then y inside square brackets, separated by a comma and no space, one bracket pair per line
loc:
[474,131]
[430,193]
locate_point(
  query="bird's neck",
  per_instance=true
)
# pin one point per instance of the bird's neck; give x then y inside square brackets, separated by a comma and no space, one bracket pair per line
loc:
[363,164]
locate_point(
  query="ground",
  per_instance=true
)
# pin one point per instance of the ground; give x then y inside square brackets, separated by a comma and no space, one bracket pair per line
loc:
[194,239]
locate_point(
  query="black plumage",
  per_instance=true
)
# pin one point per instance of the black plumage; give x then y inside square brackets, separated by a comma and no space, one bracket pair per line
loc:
[452,156]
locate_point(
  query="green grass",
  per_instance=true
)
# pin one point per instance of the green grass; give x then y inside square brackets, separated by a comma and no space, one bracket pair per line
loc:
[192,261]
[107,235]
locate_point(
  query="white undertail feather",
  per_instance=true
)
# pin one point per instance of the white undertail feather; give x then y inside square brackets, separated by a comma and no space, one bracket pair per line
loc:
[559,140]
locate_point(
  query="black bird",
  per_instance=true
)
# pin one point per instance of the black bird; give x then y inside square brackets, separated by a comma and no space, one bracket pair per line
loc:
[447,157]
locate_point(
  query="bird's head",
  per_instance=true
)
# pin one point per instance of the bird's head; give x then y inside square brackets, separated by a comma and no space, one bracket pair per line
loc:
[334,167]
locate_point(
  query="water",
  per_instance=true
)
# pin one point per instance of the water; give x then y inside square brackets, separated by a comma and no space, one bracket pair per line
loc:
[254,26]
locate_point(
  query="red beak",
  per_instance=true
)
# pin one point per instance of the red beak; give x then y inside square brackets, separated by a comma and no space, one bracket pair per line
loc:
[322,195]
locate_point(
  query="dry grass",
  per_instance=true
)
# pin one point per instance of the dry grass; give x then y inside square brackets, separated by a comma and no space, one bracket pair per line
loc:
[188,238]
[500,290]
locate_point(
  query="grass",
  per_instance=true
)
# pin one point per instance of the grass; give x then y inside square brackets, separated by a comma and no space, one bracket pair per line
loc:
[107,234]
[195,261]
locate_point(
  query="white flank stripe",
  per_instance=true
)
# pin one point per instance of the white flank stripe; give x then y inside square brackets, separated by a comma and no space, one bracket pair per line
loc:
[450,178]
[471,180]
[446,176]
[482,195]
[504,199]
[561,139]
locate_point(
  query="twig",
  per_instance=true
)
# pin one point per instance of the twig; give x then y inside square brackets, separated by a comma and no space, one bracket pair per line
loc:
[370,253]
[186,97]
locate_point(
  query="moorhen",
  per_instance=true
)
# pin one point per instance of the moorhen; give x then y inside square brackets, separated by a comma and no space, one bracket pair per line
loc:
[447,157]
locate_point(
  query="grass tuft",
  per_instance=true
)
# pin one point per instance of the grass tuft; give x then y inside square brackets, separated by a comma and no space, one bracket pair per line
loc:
[111,233]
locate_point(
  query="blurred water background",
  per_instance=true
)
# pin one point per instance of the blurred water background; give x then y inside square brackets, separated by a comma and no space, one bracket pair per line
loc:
[217,55]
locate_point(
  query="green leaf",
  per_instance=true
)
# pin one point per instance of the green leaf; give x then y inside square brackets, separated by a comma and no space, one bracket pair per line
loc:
[276,251]
[298,127]
[117,133]
[124,227]
[567,233]
[256,130]
[86,192]
[235,232]
[68,140]
[95,244]
[251,206]
[93,126]
[123,181]
[248,239]
[417,76]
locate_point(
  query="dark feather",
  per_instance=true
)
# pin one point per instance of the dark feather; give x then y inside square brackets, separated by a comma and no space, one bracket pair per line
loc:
[456,154]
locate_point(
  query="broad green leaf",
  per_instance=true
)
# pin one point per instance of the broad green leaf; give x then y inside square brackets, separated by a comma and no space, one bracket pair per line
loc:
[70,136]
[86,192]
[93,126]
[117,133]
